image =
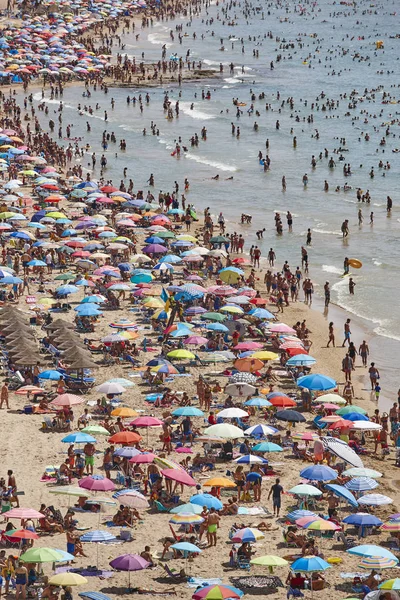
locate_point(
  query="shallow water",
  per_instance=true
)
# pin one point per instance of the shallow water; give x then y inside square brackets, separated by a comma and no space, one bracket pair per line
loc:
[258,193]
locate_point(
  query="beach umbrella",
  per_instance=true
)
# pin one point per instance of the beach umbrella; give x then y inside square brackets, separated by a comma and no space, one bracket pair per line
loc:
[319,473]
[267,447]
[343,451]
[124,412]
[133,499]
[181,354]
[111,388]
[361,484]
[321,525]
[282,401]
[269,561]
[141,458]
[265,355]
[242,378]
[240,389]
[258,402]
[125,437]
[96,483]
[390,584]
[248,364]
[350,409]
[78,437]
[186,547]
[316,381]
[22,534]
[342,492]
[331,399]
[225,431]
[375,500]
[308,436]
[22,513]
[42,555]
[67,400]
[247,534]
[50,375]
[301,360]
[292,416]
[97,537]
[66,579]
[217,592]
[187,508]
[219,482]
[69,490]
[305,490]
[362,520]
[129,562]
[179,476]
[250,459]
[188,411]
[309,564]
[95,430]
[366,426]
[186,519]
[232,413]
[362,472]
[206,500]
[370,550]
[260,430]
[299,514]
[377,563]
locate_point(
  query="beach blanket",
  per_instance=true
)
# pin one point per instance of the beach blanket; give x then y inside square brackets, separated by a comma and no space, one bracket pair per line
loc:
[110,524]
[252,510]
[195,582]
[86,572]
[255,582]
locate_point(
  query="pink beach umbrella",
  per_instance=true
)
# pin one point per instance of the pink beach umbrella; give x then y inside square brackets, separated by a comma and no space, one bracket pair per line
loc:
[97,483]
[146,422]
[179,476]
[142,459]
[67,400]
[133,499]
[23,513]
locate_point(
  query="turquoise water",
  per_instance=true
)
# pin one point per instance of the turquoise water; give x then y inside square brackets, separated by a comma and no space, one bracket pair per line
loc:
[325,37]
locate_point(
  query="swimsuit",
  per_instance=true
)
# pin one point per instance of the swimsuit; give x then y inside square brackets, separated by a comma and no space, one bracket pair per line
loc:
[212,528]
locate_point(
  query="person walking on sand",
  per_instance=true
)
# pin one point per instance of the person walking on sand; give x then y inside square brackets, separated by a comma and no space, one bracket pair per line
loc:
[347,366]
[363,351]
[373,375]
[331,334]
[213,520]
[276,491]
[4,395]
[347,333]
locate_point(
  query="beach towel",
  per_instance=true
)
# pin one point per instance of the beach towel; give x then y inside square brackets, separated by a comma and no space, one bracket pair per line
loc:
[195,582]
[255,582]
[86,572]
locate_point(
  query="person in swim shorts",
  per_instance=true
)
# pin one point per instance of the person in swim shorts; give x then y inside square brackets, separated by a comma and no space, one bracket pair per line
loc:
[212,526]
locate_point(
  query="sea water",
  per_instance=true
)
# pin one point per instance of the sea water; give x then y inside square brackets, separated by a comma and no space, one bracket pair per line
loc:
[327,57]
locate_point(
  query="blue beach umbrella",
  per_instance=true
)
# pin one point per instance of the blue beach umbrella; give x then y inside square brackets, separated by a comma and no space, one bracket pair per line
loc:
[78,438]
[187,508]
[186,547]
[319,473]
[261,313]
[88,310]
[51,375]
[97,536]
[362,520]
[206,500]
[373,551]
[257,401]
[267,447]
[309,564]
[301,360]
[10,279]
[299,514]
[65,290]
[188,411]
[361,484]
[316,381]
[342,492]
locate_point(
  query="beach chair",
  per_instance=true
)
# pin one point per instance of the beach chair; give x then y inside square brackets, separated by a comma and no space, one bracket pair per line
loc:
[181,576]
[295,593]
[318,424]
[243,563]
[48,425]
[160,507]
[177,538]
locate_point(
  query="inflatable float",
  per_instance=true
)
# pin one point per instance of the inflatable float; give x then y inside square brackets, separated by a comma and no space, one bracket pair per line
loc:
[355,263]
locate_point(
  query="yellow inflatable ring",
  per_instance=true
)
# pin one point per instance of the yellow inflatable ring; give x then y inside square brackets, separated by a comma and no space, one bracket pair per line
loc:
[355,263]
[335,560]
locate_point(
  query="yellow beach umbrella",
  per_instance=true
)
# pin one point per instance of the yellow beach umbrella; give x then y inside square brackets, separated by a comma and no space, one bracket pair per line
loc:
[219,482]
[265,355]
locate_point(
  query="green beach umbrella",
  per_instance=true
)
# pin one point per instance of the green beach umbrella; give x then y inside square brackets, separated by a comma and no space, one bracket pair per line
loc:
[269,561]
[213,316]
[42,555]
[95,430]
[351,409]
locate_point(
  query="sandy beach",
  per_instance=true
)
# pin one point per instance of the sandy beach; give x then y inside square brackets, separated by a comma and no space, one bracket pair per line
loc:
[102,239]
